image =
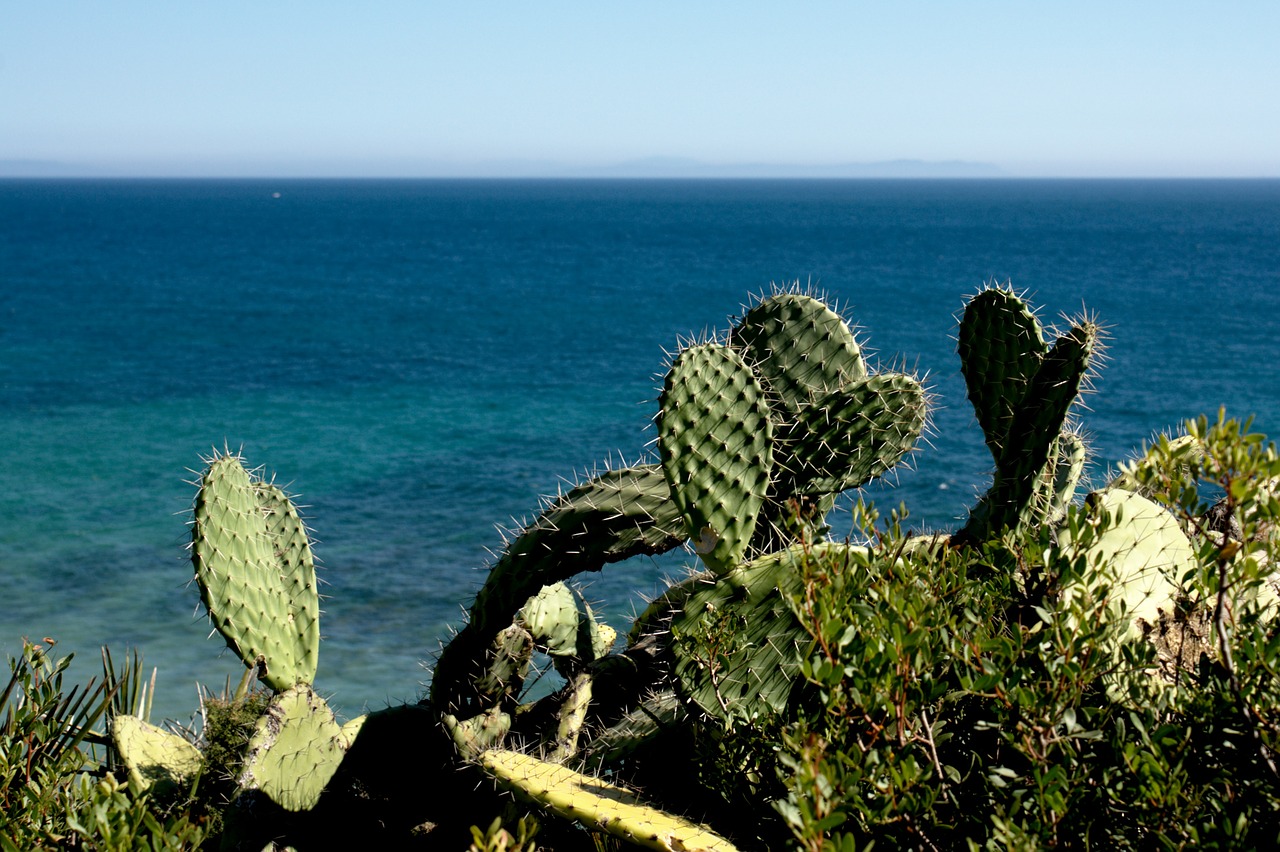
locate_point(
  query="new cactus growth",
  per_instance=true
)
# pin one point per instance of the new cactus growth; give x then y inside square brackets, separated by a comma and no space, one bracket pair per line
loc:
[256,575]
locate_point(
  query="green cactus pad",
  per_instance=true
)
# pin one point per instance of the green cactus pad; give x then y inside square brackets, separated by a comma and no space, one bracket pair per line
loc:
[1055,489]
[598,804]
[714,436]
[154,757]
[737,643]
[1001,346]
[296,748]
[255,573]
[852,435]
[801,347]
[1142,549]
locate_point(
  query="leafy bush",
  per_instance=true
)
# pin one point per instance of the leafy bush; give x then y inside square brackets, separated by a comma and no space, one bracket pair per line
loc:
[966,697]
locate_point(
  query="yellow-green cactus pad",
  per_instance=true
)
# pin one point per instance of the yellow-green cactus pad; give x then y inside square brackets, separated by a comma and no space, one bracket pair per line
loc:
[256,575]
[598,804]
[1141,549]
[296,749]
[154,756]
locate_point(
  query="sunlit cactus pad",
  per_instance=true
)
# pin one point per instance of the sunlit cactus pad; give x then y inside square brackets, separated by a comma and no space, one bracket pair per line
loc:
[256,574]
[598,804]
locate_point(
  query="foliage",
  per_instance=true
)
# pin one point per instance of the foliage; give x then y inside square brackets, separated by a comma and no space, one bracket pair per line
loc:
[50,799]
[965,700]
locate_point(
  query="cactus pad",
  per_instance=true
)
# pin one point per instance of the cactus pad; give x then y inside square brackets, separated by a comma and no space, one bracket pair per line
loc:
[296,749]
[801,347]
[255,572]
[738,644]
[562,623]
[852,435]
[1142,549]
[153,756]
[1001,345]
[714,435]
[598,804]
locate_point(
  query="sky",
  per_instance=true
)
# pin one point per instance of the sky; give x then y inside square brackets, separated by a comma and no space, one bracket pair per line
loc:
[1106,88]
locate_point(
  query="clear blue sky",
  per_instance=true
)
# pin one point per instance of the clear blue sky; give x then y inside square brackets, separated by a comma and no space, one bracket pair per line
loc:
[1090,87]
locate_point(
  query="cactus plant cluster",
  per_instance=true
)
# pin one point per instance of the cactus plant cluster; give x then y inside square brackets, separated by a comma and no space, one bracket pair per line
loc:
[257,578]
[758,433]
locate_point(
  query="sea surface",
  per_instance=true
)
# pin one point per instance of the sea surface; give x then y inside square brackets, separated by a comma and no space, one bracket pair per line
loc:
[420,361]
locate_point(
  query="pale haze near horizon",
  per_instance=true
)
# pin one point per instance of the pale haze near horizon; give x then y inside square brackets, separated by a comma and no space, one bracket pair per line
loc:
[419,89]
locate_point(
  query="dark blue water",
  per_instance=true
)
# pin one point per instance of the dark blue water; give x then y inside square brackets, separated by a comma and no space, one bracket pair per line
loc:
[421,360]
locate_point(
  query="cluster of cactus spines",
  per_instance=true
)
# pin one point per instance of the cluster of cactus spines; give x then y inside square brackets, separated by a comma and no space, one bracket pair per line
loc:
[296,749]
[256,575]
[1022,389]
[155,758]
[715,436]
[598,804]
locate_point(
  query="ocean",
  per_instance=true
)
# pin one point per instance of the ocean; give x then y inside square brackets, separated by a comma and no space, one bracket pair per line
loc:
[422,360]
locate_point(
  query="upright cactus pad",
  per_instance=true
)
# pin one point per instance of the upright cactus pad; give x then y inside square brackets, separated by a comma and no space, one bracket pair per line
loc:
[256,575]
[598,804]
[801,348]
[1021,389]
[1001,346]
[714,434]
[296,749]
[153,756]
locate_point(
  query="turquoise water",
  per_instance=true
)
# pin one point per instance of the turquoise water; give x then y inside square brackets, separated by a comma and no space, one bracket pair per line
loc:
[421,360]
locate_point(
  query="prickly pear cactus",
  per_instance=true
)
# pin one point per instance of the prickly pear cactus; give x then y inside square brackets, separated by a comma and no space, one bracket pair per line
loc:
[1022,390]
[598,804]
[256,575]
[562,624]
[154,756]
[613,516]
[296,749]
[852,435]
[714,434]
